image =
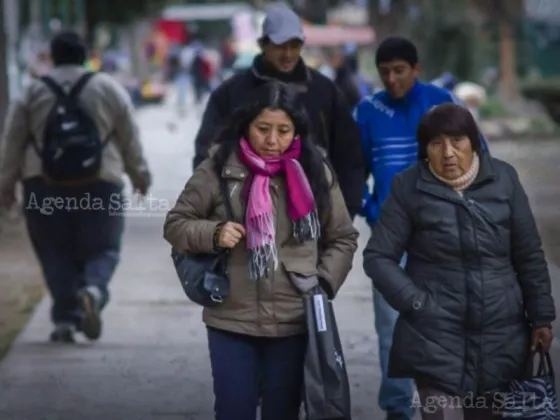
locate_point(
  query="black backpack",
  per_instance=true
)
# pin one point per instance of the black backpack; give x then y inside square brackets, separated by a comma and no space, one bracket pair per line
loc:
[72,147]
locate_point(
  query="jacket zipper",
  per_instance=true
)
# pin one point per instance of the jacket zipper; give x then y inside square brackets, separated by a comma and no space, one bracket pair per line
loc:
[467,202]
[480,382]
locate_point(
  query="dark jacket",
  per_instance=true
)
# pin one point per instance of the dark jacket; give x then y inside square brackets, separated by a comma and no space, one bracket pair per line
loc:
[331,120]
[476,278]
[347,82]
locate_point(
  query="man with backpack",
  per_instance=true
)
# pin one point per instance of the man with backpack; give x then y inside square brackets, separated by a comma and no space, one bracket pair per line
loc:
[69,138]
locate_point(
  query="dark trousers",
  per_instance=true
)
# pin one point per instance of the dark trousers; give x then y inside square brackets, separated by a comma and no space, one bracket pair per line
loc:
[75,233]
[247,368]
[201,87]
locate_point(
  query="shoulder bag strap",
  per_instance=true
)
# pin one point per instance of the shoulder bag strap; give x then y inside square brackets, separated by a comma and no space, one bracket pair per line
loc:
[224,192]
[221,262]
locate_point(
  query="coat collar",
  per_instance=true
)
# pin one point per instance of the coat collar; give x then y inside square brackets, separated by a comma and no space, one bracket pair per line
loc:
[431,185]
[263,72]
[411,96]
[234,168]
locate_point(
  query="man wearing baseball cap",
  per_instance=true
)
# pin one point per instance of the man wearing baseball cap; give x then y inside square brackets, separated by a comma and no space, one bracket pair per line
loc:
[334,128]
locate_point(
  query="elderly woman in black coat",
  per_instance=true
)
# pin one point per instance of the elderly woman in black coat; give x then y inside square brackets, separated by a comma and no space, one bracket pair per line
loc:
[475,295]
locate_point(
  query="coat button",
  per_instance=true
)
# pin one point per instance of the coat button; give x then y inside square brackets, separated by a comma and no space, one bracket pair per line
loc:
[228,172]
[242,175]
[417,304]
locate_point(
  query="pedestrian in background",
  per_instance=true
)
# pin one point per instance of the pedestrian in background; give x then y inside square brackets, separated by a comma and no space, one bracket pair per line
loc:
[77,242]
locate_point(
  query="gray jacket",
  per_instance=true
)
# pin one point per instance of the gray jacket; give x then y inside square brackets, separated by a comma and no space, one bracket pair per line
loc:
[476,279]
[103,98]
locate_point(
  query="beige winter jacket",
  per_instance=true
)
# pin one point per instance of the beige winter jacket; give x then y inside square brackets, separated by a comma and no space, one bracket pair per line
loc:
[103,98]
[270,306]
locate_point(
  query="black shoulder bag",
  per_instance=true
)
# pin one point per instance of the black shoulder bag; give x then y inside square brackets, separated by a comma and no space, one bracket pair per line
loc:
[204,276]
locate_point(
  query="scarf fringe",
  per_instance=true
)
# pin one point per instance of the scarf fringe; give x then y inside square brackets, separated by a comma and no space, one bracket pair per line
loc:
[307,228]
[259,259]
[262,247]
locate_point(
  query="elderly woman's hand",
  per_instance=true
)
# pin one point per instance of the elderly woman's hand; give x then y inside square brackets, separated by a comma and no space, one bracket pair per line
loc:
[230,234]
[542,336]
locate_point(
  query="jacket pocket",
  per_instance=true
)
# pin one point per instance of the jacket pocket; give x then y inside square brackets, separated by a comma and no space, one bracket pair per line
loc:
[301,274]
[302,267]
[428,297]
[424,306]
[516,309]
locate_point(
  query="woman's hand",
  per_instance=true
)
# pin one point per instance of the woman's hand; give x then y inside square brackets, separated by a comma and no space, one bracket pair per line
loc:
[230,235]
[542,336]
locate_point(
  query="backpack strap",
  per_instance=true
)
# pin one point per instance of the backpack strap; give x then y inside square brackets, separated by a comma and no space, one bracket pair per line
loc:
[80,84]
[74,92]
[55,87]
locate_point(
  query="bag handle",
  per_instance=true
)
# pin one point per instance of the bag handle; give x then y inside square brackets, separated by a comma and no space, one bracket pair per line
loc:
[545,367]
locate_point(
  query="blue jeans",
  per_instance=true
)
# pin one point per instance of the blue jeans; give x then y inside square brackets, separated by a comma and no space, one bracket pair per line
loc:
[76,234]
[245,368]
[395,395]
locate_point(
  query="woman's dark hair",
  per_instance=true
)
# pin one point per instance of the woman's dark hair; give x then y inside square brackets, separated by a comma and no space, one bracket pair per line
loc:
[278,95]
[396,48]
[450,120]
[68,47]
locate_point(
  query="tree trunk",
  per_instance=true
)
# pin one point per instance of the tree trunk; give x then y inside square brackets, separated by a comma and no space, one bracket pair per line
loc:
[508,62]
[384,24]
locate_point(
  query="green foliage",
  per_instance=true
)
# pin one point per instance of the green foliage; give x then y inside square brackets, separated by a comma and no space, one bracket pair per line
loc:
[120,11]
[493,108]
[500,9]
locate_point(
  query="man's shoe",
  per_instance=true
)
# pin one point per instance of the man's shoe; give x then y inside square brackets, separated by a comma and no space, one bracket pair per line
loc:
[63,333]
[91,322]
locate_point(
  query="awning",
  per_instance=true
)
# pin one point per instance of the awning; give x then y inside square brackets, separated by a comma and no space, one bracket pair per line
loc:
[331,36]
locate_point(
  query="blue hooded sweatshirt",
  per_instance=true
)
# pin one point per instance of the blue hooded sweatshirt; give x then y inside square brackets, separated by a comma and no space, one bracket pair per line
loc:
[388,128]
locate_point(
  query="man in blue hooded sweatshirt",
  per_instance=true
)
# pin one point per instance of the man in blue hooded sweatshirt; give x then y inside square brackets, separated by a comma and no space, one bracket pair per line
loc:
[388,120]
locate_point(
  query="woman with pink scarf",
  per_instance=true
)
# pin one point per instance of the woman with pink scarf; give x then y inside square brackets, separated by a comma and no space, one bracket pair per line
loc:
[291,230]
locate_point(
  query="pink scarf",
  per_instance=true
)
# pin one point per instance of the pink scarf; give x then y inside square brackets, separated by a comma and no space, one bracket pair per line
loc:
[259,218]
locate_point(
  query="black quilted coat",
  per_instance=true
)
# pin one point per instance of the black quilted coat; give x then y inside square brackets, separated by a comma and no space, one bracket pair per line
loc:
[476,279]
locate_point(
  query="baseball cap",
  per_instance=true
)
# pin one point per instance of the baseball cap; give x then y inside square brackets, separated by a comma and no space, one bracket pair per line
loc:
[281,24]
